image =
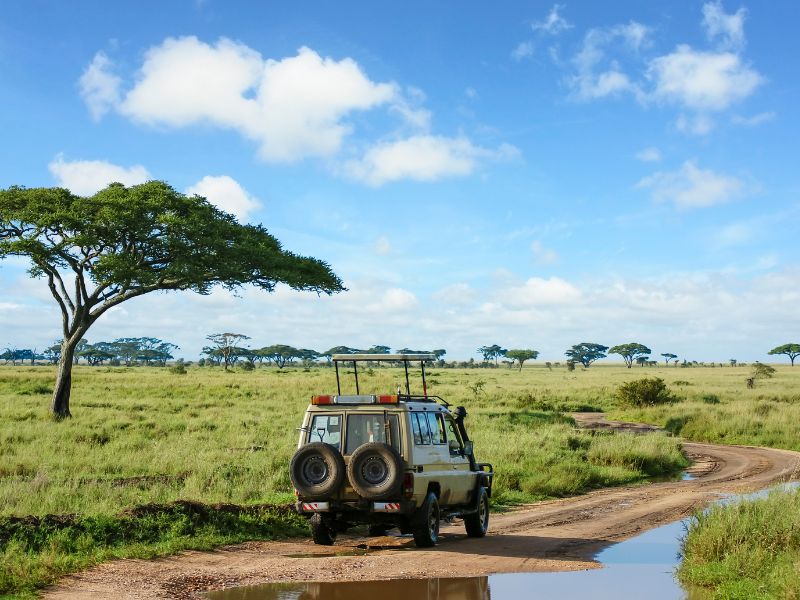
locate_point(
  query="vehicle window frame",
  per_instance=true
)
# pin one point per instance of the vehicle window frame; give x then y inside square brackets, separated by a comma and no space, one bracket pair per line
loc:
[422,419]
[393,428]
[451,427]
[313,436]
[441,437]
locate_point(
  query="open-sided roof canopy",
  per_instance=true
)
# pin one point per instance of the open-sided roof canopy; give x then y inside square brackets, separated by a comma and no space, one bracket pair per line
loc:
[382,357]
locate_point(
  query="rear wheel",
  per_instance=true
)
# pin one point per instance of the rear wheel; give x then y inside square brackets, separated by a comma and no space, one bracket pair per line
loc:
[426,528]
[317,471]
[477,523]
[321,532]
[375,471]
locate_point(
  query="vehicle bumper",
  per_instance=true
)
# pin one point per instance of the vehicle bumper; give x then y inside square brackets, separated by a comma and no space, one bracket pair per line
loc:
[398,507]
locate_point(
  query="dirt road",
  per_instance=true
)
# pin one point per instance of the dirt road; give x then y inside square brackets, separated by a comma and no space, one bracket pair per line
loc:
[560,535]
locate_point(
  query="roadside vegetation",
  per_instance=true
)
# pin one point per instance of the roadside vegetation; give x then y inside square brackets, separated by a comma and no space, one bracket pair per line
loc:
[746,550]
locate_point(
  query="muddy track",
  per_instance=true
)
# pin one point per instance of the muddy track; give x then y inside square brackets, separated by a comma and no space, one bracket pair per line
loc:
[558,535]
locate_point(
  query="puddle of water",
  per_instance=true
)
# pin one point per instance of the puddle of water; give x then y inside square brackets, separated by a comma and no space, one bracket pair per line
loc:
[638,567]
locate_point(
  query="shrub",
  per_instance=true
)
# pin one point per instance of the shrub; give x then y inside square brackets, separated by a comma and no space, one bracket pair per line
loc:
[645,392]
[710,399]
[248,365]
[179,368]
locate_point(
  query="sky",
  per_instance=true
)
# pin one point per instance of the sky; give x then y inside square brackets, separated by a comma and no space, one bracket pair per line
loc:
[528,174]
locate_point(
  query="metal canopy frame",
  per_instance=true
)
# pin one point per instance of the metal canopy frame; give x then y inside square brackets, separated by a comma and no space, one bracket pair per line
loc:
[404,358]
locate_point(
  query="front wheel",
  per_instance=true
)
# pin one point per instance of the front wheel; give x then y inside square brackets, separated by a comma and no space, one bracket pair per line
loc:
[426,529]
[477,523]
[321,532]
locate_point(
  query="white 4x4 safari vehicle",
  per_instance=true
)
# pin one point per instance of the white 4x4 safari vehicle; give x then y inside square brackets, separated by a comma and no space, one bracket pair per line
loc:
[392,460]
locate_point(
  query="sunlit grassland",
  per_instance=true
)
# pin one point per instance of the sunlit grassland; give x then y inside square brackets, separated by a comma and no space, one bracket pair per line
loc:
[146,435]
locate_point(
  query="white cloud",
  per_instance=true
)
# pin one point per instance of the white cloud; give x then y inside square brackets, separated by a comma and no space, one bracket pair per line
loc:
[539,292]
[382,246]
[649,154]
[86,177]
[701,81]
[293,108]
[421,158]
[553,23]
[597,76]
[727,29]
[692,187]
[99,87]
[758,119]
[225,193]
[455,294]
[543,256]
[522,51]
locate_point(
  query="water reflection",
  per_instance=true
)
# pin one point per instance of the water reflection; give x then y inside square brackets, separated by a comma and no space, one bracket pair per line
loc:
[468,588]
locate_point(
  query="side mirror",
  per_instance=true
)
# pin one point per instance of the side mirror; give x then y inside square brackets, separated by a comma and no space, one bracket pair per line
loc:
[468,448]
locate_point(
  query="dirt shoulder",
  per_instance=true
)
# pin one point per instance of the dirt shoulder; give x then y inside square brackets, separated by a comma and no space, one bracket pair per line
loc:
[559,535]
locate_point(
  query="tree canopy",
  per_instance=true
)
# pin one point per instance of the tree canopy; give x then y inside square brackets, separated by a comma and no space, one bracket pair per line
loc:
[97,252]
[630,352]
[790,350]
[586,353]
[522,355]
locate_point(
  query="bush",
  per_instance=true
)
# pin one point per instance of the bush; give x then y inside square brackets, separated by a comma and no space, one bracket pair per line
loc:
[710,399]
[248,365]
[645,392]
[179,368]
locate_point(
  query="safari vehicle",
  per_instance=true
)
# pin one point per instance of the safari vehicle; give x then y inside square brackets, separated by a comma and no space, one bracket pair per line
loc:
[388,460]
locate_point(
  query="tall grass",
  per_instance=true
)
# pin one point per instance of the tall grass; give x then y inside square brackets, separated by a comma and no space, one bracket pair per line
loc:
[747,550]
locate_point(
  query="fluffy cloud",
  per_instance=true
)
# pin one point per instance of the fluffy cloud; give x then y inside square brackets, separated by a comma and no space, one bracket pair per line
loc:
[86,177]
[293,108]
[99,86]
[692,187]
[539,292]
[758,119]
[226,193]
[727,29]
[522,51]
[421,158]
[702,80]
[553,23]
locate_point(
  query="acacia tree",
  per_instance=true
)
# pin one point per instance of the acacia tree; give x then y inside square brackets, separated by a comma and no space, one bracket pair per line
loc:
[226,346]
[630,352]
[668,356]
[100,251]
[492,352]
[522,355]
[586,353]
[790,350]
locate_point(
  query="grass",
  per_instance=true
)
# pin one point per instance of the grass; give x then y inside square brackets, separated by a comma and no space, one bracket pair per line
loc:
[749,550]
[145,435]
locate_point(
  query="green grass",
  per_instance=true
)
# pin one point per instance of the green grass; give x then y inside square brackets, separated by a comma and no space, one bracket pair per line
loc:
[746,551]
[145,435]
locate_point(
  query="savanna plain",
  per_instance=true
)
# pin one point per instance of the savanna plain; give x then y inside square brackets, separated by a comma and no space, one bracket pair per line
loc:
[154,462]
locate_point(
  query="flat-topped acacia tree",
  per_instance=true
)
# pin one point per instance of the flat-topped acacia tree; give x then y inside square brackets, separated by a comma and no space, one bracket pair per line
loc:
[97,252]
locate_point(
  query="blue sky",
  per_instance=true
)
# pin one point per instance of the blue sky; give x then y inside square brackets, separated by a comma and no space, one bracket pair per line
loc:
[535,175]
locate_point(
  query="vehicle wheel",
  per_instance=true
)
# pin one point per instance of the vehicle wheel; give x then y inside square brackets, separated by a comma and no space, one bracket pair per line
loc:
[317,471]
[426,528]
[322,534]
[375,471]
[377,530]
[477,523]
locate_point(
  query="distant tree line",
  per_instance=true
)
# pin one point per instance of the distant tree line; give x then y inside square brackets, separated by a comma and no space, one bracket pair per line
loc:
[147,351]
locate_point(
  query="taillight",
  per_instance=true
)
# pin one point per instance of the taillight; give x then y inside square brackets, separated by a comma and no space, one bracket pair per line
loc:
[316,400]
[408,485]
[387,399]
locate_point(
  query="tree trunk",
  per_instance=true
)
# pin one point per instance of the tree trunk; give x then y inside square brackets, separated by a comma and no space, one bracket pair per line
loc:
[59,407]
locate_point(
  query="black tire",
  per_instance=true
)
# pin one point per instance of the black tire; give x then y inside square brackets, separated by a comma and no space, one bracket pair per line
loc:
[317,471]
[478,523]
[426,526]
[322,534]
[375,471]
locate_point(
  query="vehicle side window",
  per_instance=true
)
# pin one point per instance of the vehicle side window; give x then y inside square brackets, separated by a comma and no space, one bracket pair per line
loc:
[437,428]
[453,438]
[425,433]
[326,429]
[415,427]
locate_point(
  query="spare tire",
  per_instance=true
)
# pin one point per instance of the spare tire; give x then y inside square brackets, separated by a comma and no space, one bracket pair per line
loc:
[376,471]
[317,471]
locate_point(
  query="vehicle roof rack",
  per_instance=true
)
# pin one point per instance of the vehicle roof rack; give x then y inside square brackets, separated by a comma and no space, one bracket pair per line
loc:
[382,357]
